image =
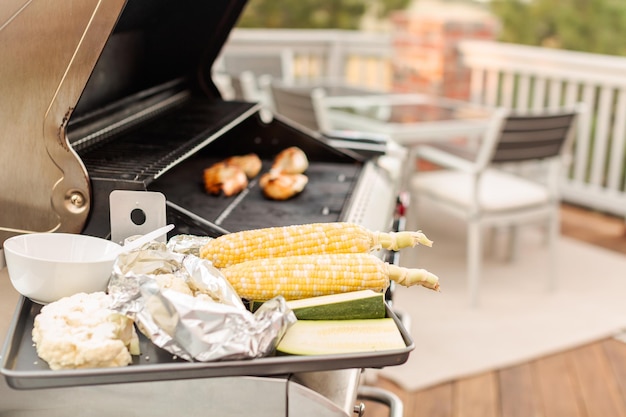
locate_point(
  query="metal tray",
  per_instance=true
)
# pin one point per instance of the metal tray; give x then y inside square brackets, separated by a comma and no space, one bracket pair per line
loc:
[23,369]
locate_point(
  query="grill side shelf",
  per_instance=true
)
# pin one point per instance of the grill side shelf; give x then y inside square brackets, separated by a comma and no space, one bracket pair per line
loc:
[23,369]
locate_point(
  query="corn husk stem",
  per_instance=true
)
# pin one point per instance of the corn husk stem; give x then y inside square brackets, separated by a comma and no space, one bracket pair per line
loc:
[413,276]
[400,240]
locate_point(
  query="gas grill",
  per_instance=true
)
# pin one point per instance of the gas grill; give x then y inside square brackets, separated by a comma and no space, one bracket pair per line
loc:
[170,155]
[117,95]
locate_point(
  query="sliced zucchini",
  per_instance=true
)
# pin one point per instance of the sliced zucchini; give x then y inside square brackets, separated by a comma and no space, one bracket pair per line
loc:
[365,304]
[322,337]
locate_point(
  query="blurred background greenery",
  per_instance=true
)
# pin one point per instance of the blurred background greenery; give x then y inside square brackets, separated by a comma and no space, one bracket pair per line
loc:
[581,25]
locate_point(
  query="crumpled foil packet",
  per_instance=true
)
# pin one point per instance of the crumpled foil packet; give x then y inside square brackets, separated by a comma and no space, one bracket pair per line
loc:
[184,305]
[187,244]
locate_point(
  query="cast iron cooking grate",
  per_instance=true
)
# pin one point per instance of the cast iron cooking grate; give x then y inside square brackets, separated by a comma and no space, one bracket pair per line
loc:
[324,199]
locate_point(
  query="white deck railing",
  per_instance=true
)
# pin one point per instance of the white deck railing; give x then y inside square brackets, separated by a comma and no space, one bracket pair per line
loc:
[509,75]
[524,77]
[356,57]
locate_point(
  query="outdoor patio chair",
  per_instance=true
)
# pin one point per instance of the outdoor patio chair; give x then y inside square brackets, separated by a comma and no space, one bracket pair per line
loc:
[304,102]
[245,88]
[293,102]
[277,64]
[470,182]
[240,73]
[242,87]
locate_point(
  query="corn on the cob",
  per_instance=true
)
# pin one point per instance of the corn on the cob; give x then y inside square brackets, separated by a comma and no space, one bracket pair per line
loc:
[296,277]
[306,239]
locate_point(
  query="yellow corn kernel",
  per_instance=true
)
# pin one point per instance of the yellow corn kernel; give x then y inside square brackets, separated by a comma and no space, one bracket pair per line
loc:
[303,276]
[306,239]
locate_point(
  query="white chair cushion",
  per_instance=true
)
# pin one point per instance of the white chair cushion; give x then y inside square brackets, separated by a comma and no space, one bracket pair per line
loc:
[499,191]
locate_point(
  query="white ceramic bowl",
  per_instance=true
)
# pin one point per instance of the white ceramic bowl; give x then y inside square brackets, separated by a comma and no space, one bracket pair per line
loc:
[48,266]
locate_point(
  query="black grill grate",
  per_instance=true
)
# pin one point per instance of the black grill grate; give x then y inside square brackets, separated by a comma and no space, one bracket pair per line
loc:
[323,199]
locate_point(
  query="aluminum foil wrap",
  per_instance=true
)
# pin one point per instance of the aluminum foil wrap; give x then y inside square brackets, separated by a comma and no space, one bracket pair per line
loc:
[188,244]
[184,305]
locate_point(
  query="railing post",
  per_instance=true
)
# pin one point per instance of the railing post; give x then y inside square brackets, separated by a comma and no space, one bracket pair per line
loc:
[335,60]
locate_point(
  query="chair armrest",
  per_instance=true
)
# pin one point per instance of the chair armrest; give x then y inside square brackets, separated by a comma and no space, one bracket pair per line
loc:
[445,159]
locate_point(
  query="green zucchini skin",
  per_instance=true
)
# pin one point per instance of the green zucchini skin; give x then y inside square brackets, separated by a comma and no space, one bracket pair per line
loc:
[359,305]
[363,308]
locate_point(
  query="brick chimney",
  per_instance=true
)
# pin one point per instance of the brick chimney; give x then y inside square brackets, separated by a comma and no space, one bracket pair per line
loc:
[425,39]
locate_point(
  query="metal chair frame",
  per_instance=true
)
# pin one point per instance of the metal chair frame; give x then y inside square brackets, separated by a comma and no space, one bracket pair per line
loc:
[473,185]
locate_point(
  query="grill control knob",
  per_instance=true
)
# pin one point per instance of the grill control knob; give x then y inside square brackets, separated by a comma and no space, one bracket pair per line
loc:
[359,409]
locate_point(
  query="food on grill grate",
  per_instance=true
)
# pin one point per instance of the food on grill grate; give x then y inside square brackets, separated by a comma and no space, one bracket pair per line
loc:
[291,160]
[82,332]
[278,186]
[223,177]
[303,276]
[305,239]
[324,337]
[250,164]
[286,177]
[231,175]
[284,180]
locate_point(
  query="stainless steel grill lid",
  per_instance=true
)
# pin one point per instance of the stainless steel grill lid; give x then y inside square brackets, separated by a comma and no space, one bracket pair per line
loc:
[91,64]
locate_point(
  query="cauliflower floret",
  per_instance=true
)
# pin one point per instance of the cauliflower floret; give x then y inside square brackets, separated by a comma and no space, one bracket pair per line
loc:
[82,332]
[179,284]
[173,282]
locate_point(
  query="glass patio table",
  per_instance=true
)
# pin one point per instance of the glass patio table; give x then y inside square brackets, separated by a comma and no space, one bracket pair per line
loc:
[407,120]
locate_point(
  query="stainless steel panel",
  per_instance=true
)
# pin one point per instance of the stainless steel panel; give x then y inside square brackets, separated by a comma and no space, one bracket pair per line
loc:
[48,50]
[329,393]
[223,397]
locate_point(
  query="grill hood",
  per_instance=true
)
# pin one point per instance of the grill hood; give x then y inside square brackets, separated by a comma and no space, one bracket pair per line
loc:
[75,63]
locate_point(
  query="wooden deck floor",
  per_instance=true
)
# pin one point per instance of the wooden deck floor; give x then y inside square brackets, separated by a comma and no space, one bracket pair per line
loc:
[589,381]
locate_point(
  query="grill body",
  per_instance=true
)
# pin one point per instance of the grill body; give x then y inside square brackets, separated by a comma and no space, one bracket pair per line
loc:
[117,95]
[126,101]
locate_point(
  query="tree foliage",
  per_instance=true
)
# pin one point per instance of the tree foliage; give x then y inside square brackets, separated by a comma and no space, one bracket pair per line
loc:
[597,26]
[313,14]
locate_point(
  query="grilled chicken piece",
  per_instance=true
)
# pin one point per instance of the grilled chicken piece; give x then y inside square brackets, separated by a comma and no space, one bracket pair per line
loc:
[227,178]
[250,163]
[292,160]
[280,186]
